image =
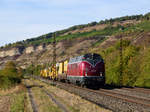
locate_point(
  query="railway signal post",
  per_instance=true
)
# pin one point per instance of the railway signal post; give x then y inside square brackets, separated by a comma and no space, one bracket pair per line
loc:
[121,58]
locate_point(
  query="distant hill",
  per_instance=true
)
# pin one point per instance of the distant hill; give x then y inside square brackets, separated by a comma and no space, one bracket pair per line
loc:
[85,30]
[100,37]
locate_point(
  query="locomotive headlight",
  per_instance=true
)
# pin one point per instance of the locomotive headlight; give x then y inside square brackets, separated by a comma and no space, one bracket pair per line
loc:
[101,74]
[86,71]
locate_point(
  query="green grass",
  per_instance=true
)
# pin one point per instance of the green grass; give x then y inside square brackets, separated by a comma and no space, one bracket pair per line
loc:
[143,26]
[17,104]
[44,102]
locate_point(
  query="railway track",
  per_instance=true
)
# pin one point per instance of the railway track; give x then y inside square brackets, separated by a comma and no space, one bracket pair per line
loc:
[34,106]
[57,102]
[64,109]
[108,99]
[132,92]
[146,91]
[142,101]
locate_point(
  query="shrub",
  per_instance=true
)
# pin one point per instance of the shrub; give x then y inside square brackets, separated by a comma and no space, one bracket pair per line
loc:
[10,75]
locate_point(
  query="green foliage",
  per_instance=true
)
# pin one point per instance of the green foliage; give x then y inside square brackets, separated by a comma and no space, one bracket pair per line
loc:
[105,32]
[135,65]
[120,19]
[29,69]
[18,102]
[144,68]
[143,26]
[125,43]
[4,82]
[10,75]
[102,39]
[35,70]
[10,69]
[112,68]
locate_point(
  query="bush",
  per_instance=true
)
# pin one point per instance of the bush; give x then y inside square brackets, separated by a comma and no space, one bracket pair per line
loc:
[10,75]
[4,82]
[34,70]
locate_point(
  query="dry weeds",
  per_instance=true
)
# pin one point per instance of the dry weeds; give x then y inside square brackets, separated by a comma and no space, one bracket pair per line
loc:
[6,97]
[43,102]
[10,91]
[4,103]
[77,103]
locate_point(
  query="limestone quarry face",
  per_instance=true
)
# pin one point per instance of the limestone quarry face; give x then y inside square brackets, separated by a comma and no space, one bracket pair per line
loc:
[20,50]
[10,52]
[2,54]
[13,52]
[42,54]
[40,47]
[30,49]
[49,47]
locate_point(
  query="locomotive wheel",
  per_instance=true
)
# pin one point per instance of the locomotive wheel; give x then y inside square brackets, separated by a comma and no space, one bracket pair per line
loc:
[83,85]
[67,81]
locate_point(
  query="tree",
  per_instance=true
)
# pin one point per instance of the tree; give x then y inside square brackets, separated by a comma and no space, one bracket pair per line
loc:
[10,69]
[10,75]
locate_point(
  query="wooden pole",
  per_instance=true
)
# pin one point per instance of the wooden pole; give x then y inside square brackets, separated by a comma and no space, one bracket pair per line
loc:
[54,56]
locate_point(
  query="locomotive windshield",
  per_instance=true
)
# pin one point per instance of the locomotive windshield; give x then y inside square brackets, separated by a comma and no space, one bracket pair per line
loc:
[92,58]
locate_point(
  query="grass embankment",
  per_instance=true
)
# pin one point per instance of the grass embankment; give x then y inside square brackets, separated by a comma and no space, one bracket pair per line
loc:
[73,103]
[10,78]
[18,102]
[42,101]
[13,100]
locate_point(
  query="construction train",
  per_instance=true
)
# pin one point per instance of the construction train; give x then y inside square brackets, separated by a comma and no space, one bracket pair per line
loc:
[84,70]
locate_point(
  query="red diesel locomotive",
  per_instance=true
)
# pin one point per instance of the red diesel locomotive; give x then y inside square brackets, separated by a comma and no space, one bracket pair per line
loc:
[86,70]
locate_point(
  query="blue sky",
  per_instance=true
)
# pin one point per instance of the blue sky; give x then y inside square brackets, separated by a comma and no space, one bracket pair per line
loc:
[22,19]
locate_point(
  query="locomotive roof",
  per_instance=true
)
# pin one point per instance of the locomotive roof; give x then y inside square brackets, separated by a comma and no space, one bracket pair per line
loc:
[80,58]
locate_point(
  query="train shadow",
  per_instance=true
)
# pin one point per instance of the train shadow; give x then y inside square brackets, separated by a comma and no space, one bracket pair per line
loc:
[108,87]
[111,87]
[34,85]
[26,77]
